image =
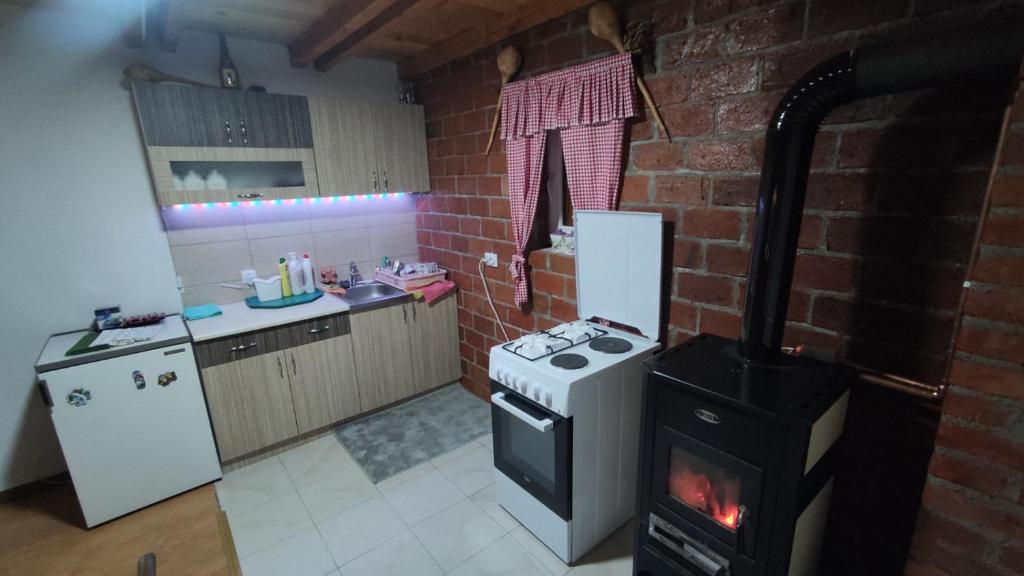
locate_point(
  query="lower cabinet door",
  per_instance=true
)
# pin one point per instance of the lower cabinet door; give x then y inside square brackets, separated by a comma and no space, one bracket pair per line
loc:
[434,338]
[250,404]
[323,379]
[383,355]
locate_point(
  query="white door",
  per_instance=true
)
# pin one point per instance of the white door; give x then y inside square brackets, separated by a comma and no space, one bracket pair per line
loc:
[128,439]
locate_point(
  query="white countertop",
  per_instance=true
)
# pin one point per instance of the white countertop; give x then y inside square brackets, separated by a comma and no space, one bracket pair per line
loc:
[239,318]
[54,354]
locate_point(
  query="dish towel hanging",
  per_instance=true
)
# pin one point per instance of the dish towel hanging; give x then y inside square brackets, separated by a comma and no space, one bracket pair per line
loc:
[589,104]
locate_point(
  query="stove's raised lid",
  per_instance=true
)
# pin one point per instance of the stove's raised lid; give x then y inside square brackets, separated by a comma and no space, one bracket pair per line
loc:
[618,268]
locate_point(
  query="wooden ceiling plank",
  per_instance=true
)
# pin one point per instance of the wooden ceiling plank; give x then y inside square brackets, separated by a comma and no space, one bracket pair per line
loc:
[342,20]
[134,30]
[170,25]
[500,27]
[341,50]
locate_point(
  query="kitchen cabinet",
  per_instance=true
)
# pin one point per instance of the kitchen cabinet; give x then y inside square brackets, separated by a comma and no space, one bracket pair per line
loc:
[434,340]
[323,382]
[383,355]
[367,148]
[186,116]
[250,404]
[266,387]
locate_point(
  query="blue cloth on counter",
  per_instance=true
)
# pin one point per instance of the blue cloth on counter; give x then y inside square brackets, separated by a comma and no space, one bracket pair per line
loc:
[202,311]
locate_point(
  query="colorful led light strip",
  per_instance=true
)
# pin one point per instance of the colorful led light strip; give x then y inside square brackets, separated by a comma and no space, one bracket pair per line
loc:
[279,201]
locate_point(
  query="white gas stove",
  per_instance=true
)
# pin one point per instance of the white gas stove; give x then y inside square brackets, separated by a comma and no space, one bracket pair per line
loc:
[566,401]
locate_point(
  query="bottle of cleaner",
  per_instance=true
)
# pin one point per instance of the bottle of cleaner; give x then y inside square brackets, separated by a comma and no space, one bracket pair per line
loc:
[295,274]
[307,274]
[286,286]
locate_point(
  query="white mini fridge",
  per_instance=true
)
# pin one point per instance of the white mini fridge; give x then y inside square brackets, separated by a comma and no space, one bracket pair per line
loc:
[131,420]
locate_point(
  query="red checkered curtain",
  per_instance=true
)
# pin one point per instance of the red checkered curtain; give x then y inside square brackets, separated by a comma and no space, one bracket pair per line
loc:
[589,103]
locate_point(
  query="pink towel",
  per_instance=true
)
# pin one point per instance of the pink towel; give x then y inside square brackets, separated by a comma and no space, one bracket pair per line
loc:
[435,291]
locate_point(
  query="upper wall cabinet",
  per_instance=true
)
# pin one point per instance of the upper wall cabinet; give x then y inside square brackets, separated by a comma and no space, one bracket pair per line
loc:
[213,145]
[368,148]
[188,116]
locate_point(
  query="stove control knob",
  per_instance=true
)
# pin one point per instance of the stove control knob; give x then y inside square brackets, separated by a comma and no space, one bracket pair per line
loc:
[536,393]
[547,398]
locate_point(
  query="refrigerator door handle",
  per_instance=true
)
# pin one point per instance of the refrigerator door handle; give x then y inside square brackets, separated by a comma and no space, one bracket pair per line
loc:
[44,391]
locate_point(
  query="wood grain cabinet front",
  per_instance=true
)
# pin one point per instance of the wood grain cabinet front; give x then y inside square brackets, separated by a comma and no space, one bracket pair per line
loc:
[434,339]
[250,403]
[369,148]
[323,382]
[383,355]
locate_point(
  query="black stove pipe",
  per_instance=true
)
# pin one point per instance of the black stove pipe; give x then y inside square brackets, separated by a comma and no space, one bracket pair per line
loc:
[983,55]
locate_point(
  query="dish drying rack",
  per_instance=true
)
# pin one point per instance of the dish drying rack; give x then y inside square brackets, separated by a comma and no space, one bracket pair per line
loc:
[409,281]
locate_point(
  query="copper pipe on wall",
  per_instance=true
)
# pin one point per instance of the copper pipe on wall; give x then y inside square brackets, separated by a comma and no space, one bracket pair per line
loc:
[910,386]
[900,384]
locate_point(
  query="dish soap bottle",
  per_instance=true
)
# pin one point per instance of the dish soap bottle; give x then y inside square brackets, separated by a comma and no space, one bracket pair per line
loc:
[286,286]
[295,274]
[307,274]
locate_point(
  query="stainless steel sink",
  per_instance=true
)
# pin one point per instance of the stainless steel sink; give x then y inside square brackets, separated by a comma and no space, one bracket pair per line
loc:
[369,293]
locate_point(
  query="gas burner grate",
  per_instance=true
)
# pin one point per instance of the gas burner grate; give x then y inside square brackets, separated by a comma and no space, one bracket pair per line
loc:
[515,344]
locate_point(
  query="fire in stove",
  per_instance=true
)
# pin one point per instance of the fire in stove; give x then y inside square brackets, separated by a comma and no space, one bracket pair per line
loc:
[704,487]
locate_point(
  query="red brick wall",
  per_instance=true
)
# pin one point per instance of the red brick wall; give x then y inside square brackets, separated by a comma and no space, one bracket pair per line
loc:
[972,519]
[893,204]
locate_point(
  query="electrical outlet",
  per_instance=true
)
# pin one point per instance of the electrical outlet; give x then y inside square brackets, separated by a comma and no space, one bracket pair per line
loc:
[491,259]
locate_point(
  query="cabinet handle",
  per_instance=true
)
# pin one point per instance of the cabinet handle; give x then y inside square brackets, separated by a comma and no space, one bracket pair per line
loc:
[319,330]
[245,136]
[295,371]
[385,180]
[249,196]
[280,368]
[227,130]
[374,180]
[413,306]
[405,314]
[242,347]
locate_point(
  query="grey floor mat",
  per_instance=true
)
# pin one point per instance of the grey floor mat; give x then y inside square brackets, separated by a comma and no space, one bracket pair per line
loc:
[399,438]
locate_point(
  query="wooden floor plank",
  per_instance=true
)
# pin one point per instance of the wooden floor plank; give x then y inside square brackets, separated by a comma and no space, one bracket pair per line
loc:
[43,534]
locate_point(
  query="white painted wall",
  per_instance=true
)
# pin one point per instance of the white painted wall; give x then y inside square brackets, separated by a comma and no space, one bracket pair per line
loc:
[79,227]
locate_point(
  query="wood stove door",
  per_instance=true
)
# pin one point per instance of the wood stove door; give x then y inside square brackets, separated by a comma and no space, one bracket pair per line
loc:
[711,489]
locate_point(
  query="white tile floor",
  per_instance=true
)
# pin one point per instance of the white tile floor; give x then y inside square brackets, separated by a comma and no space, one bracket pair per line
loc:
[313,512]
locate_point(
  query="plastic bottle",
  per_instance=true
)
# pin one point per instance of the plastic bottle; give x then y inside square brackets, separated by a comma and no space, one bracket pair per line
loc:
[286,286]
[295,274]
[307,274]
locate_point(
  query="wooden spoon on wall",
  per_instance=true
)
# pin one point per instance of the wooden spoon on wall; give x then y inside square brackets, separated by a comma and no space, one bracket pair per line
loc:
[604,23]
[509,61]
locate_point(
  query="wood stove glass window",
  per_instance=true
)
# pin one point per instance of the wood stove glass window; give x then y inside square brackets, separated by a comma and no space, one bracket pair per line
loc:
[704,487]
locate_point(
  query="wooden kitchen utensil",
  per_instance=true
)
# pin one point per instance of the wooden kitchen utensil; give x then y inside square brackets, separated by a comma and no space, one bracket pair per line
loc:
[147,73]
[509,61]
[604,23]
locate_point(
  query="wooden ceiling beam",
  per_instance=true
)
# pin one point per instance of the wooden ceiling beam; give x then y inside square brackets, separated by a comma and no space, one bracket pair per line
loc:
[497,28]
[134,30]
[170,25]
[344,19]
[342,49]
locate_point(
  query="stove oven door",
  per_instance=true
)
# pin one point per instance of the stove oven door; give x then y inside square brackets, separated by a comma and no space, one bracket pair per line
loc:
[533,447]
[714,491]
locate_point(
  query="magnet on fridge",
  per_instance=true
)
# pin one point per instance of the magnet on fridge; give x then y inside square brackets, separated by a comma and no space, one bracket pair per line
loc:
[166,378]
[79,397]
[140,380]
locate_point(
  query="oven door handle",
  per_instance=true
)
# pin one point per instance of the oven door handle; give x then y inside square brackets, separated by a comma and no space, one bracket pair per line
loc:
[545,425]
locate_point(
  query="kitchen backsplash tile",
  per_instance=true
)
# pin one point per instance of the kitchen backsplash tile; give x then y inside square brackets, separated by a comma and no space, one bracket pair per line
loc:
[344,245]
[266,251]
[211,245]
[198,264]
[269,220]
[203,226]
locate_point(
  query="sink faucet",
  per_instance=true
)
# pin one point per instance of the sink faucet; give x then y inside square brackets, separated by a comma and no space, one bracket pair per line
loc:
[354,277]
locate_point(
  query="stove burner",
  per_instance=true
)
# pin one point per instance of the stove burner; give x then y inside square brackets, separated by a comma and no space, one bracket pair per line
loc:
[611,345]
[569,361]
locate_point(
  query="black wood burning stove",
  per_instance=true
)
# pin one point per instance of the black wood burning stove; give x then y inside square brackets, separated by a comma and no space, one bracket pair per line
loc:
[738,445]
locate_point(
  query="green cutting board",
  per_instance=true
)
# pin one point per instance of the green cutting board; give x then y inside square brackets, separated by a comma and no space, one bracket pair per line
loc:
[254,302]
